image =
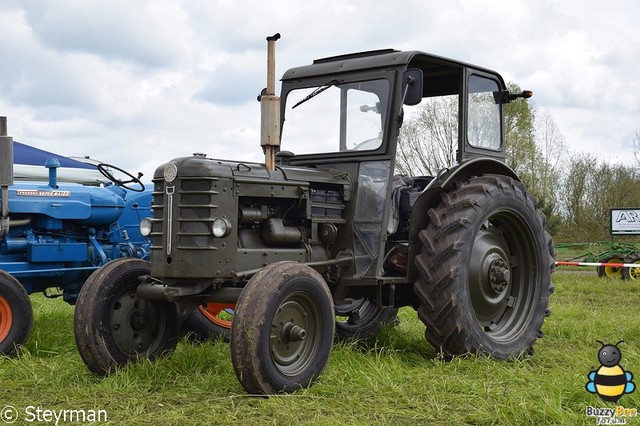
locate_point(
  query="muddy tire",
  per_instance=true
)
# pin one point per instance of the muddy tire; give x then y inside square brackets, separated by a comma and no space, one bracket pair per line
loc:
[16,314]
[485,270]
[283,329]
[113,326]
[209,321]
[361,319]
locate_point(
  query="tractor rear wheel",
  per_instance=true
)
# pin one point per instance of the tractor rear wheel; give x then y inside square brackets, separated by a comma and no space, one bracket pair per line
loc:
[16,314]
[283,328]
[113,326]
[485,270]
[361,319]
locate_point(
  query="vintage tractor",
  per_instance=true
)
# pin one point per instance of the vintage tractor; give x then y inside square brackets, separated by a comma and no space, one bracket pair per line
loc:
[325,231]
[53,235]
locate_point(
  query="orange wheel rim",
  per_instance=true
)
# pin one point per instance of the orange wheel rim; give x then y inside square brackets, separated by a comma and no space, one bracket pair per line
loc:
[212,310]
[6,318]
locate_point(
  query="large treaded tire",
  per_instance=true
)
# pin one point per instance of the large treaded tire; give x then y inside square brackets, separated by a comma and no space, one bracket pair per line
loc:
[113,326]
[282,330]
[485,270]
[16,314]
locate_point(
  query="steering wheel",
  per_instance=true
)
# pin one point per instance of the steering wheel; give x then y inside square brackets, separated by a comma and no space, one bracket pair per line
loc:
[367,145]
[104,169]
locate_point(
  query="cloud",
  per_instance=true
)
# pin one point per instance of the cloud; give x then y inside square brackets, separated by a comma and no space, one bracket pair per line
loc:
[147,33]
[138,83]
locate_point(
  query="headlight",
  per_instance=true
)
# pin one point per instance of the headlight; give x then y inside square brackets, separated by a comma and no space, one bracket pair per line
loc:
[221,227]
[170,172]
[145,227]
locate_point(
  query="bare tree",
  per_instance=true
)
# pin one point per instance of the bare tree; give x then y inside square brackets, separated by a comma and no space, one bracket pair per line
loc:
[636,146]
[429,137]
[553,150]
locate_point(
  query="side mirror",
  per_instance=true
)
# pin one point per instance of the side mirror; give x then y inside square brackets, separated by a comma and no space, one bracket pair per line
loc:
[412,87]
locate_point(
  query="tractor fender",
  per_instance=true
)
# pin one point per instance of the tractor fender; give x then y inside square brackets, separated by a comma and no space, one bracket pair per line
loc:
[443,182]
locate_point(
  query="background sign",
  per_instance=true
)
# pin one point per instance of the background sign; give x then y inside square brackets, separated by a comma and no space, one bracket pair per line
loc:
[625,221]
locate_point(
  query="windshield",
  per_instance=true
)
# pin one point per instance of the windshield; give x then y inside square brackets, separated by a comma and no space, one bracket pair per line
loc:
[335,117]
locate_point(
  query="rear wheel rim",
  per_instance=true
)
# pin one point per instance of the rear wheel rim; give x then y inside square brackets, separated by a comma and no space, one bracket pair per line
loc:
[501,276]
[6,318]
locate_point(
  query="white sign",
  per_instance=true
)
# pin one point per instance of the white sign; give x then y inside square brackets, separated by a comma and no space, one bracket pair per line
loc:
[625,221]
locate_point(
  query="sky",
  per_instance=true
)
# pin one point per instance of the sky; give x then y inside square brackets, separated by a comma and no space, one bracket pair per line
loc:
[137,83]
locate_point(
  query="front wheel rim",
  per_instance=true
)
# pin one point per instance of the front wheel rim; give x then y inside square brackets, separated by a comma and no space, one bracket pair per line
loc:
[135,323]
[295,336]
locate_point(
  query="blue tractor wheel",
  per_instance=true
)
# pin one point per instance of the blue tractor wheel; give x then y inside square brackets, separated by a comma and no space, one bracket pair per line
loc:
[16,314]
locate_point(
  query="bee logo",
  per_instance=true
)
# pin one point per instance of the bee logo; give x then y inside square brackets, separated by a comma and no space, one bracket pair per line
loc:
[610,381]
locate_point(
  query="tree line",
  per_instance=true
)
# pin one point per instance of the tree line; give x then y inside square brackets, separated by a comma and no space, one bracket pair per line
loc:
[575,190]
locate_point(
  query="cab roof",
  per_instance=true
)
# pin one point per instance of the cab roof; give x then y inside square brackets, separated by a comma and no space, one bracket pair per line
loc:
[385,58]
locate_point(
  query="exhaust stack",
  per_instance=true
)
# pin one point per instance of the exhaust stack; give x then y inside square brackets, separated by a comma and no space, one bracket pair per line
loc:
[270,109]
[6,174]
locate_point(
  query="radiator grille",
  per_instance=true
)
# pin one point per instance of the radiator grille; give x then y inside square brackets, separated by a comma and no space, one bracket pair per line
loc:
[192,203]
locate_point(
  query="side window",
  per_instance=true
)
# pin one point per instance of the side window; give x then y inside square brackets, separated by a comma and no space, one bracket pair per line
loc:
[483,114]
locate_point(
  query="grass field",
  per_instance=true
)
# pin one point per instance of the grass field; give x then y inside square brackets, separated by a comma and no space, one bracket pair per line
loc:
[398,380]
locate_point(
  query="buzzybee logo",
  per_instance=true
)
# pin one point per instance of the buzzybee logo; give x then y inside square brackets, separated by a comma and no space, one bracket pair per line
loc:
[610,381]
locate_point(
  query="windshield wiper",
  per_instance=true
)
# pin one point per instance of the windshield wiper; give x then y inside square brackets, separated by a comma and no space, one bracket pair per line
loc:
[315,92]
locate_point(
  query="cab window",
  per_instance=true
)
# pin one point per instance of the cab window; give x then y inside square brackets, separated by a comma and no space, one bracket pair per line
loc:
[483,113]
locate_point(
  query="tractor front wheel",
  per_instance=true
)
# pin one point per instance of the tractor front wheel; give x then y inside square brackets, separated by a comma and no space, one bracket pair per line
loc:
[16,314]
[113,326]
[283,329]
[485,270]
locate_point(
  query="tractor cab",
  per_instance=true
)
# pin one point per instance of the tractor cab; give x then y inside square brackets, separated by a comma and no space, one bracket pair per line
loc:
[351,107]
[346,112]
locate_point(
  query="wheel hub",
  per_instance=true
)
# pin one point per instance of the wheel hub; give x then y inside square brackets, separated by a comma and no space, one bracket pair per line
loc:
[499,275]
[490,278]
[133,324]
[292,332]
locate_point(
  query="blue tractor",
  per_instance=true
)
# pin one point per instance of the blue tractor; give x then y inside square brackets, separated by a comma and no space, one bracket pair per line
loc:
[54,234]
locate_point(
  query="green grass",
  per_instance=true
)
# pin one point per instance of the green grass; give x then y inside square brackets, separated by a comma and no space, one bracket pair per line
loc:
[398,380]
